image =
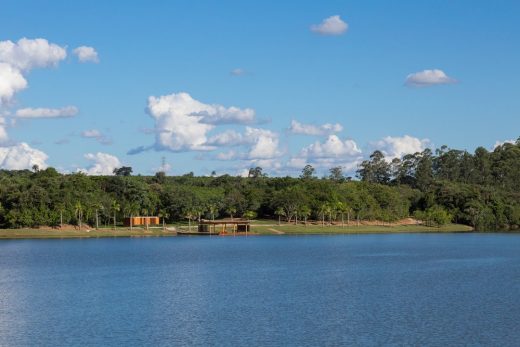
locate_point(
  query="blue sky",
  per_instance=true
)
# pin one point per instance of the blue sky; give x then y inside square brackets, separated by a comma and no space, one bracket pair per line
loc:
[397,76]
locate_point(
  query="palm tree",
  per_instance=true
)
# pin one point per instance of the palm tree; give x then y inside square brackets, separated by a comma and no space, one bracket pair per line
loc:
[133,207]
[280,212]
[305,212]
[341,208]
[190,214]
[115,208]
[322,210]
[163,214]
[231,210]
[78,210]
[213,210]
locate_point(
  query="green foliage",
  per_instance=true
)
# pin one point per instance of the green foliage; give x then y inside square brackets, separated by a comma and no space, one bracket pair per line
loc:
[481,190]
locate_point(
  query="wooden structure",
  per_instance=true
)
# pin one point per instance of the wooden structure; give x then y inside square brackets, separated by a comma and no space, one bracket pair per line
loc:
[138,221]
[220,227]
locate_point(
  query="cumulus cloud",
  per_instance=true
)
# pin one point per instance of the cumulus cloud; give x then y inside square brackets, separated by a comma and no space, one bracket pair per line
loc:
[86,54]
[102,164]
[21,156]
[97,135]
[260,143]
[396,147]
[17,59]
[427,78]
[11,82]
[64,112]
[332,25]
[27,54]
[264,143]
[3,132]
[331,152]
[333,147]
[182,123]
[316,130]
[227,138]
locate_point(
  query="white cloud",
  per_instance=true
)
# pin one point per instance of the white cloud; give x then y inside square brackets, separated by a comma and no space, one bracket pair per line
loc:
[497,143]
[97,135]
[333,147]
[332,152]
[397,147]
[3,132]
[427,78]
[86,54]
[316,130]
[227,138]
[27,54]
[64,112]
[238,72]
[17,59]
[11,82]
[182,123]
[264,143]
[333,25]
[102,164]
[21,156]
[218,114]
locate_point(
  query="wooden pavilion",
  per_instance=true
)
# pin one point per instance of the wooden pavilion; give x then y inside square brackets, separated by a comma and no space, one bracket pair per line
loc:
[224,226]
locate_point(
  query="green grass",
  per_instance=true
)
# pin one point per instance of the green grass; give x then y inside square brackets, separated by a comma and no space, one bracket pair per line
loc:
[362,229]
[59,234]
[265,227]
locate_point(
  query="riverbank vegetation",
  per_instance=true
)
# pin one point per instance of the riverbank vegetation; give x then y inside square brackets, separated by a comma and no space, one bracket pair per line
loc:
[481,190]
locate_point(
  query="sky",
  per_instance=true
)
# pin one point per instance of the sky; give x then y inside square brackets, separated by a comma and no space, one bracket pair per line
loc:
[228,85]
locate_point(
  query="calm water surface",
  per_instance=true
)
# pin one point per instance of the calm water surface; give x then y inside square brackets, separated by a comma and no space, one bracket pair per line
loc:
[412,289]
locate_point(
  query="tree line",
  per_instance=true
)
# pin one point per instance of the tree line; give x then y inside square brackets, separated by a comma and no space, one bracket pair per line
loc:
[481,189]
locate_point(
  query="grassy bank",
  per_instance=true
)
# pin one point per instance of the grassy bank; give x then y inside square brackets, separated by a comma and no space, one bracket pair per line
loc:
[60,234]
[258,227]
[362,229]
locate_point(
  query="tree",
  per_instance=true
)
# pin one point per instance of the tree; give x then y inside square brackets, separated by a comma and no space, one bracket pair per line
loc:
[307,172]
[336,174]
[190,214]
[255,172]
[123,171]
[78,210]
[304,211]
[279,212]
[231,210]
[375,170]
[115,207]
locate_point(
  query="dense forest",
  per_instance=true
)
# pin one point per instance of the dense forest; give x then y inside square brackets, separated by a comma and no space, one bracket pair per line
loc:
[480,189]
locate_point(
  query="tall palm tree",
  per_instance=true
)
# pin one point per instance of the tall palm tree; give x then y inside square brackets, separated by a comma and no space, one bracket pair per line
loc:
[213,210]
[115,208]
[305,211]
[322,210]
[190,214]
[78,210]
[133,207]
[279,212]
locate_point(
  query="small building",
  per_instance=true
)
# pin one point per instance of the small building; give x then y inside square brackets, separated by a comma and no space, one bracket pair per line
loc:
[141,221]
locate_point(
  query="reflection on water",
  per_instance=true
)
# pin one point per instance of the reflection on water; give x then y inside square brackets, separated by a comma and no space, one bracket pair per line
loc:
[415,289]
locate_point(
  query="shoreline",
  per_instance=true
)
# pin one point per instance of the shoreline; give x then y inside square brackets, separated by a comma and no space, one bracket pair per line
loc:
[257,230]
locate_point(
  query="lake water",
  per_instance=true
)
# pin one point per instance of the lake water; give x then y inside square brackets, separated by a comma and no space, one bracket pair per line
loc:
[409,289]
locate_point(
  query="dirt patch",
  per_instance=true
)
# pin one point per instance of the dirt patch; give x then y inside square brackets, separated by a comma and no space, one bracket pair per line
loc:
[276,231]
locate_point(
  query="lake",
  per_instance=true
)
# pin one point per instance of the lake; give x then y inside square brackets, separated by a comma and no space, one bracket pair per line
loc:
[388,289]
